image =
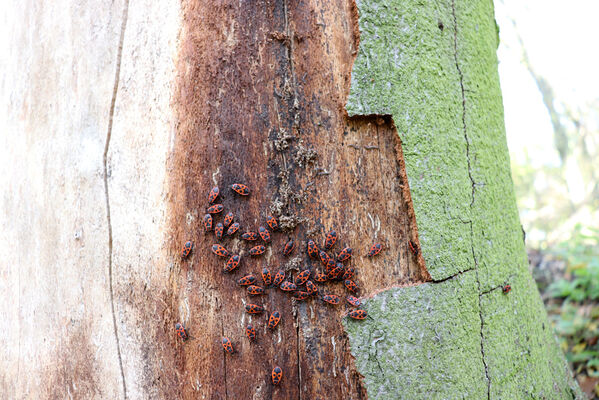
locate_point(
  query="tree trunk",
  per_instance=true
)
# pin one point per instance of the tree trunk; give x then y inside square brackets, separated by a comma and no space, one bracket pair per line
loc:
[120,119]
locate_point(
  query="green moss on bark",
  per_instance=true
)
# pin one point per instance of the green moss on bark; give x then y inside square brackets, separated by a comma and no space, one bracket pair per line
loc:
[432,66]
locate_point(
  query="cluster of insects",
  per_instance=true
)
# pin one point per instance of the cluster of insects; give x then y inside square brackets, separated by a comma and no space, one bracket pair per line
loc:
[304,285]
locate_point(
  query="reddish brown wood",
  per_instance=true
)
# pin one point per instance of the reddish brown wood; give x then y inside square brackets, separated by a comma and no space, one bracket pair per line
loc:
[260,100]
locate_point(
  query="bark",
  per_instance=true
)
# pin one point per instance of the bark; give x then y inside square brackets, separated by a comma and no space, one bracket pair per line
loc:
[161,101]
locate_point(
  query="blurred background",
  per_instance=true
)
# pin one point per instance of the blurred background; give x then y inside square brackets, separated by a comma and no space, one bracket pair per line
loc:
[548,66]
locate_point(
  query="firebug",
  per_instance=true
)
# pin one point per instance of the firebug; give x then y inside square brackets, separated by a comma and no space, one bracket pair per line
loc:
[233,228]
[274,319]
[213,194]
[215,209]
[330,240]
[279,276]
[207,222]
[413,247]
[358,314]
[246,280]
[331,299]
[257,250]
[506,288]
[354,301]
[302,277]
[300,295]
[351,285]
[255,290]
[272,222]
[232,263]
[348,273]
[228,219]
[324,258]
[187,247]
[311,287]
[181,332]
[288,286]
[249,236]
[250,332]
[266,276]
[227,345]
[241,189]
[220,250]
[334,273]
[375,249]
[312,249]
[320,277]
[264,234]
[253,309]
[345,254]
[277,375]
[289,246]
[218,231]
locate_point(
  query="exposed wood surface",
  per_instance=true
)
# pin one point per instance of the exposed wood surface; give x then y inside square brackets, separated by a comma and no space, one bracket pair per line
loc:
[261,101]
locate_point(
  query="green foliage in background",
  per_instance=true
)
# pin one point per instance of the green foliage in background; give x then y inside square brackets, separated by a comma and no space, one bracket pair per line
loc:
[572,301]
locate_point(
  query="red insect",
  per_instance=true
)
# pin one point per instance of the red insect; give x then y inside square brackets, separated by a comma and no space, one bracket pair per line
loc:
[331,299]
[506,289]
[277,375]
[413,247]
[264,234]
[215,209]
[274,319]
[257,250]
[312,249]
[233,228]
[207,222]
[334,273]
[320,277]
[358,314]
[348,273]
[246,280]
[241,189]
[227,345]
[250,332]
[249,236]
[213,194]
[272,222]
[354,301]
[181,332]
[351,285]
[289,246]
[218,231]
[311,287]
[220,250]
[345,254]
[288,286]
[300,295]
[331,264]
[187,247]
[375,249]
[255,290]
[324,258]
[232,263]
[302,277]
[279,276]
[266,276]
[228,219]
[253,309]
[330,240]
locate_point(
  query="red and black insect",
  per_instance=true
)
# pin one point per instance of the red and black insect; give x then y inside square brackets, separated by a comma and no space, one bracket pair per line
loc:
[257,250]
[266,276]
[413,247]
[354,301]
[227,345]
[272,222]
[274,319]
[246,280]
[218,231]
[233,228]
[358,314]
[207,222]
[264,234]
[312,249]
[213,194]
[320,277]
[351,285]
[331,264]
[300,295]
[331,299]
[232,263]
[277,375]
[181,332]
[375,249]
[288,286]
[345,254]
[255,290]
[279,276]
[228,219]
[220,250]
[311,288]
[215,209]
[187,247]
[250,332]
[249,236]
[330,240]
[253,309]
[348,273]
[241,189]
[324,258]
[506,288]
[334,273]
[289,246]
[302,277]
